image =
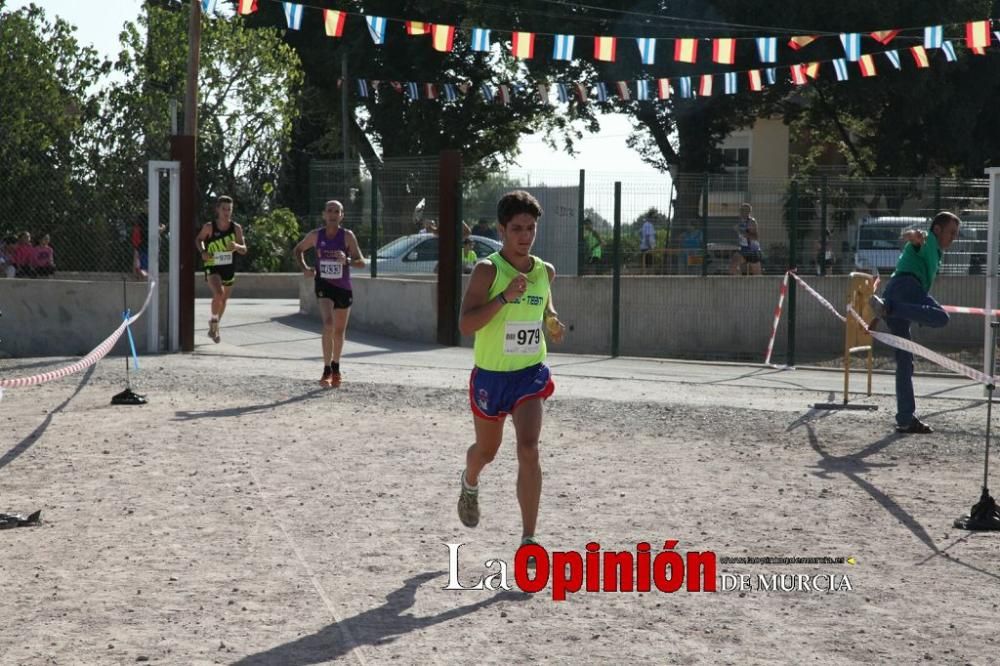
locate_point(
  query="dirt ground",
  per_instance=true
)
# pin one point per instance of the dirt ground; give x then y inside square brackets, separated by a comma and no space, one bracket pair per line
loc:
[247,516]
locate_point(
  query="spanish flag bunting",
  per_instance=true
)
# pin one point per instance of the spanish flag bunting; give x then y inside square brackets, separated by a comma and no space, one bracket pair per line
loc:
[686,50]
[755,81]
[247,6]
[920,56]
[333,22]
[418,28]
[977,34]
[978,50]
[884,36]
[663,88]
[812,70]
[604,48]
[798,75]
[800,42]
[442,37]
[430,91]
[867,64]
[524,45]
[724,51]
[705,85]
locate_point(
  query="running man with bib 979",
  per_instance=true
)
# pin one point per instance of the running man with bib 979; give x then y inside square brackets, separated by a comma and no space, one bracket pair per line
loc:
[507,305]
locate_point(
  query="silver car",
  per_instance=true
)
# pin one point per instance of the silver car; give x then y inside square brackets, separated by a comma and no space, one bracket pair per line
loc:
[419,253]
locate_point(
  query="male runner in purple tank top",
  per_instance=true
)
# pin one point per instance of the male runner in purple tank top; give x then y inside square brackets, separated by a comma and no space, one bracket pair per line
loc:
[336,251]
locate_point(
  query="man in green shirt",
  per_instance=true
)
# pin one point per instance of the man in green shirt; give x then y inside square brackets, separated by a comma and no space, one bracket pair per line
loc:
[508,307]
[906,299]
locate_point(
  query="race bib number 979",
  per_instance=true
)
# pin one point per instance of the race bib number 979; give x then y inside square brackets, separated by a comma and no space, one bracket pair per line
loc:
[222,258]
[522,338]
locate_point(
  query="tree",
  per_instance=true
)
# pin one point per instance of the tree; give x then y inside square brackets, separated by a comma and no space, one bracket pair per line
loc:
[248,87]
[486,133]
[48,108]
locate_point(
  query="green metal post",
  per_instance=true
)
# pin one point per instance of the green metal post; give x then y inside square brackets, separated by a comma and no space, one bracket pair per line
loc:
[616,279]
[704,227]
[373,243]
[793,238]
[581,259]
[822,228]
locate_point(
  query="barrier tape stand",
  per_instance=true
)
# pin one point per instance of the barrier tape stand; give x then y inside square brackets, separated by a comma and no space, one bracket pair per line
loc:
[11,520]
[984,515]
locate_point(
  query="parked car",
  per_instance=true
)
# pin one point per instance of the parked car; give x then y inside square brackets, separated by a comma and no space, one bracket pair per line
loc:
[419,253]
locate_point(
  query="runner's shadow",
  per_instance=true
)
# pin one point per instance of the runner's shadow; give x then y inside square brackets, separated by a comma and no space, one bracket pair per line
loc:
[249,409]
[853,465]
[377,626]
[36,434]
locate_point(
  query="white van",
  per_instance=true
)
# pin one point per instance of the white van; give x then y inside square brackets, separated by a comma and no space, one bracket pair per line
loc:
[878,244]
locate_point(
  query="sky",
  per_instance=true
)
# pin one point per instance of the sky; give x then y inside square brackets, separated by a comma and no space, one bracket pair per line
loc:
[603,155]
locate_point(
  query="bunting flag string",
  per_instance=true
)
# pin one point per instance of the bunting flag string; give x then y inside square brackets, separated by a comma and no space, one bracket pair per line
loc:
[975,36]
[799,74]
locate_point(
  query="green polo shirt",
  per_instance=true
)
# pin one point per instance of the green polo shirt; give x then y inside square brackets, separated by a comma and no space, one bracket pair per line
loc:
[922,261]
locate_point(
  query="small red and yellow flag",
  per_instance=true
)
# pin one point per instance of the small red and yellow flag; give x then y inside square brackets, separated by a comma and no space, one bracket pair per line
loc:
[604,48]
[755,82]
[663,88]
[920,57]
[800,42]
[686,50]
[867,64]
[418,28]
[724,51]
[812,70]
[442,37]
[247,6]
[884,36]
[333,22]
[705,85]
[798,74]
[977,34]
[523,45]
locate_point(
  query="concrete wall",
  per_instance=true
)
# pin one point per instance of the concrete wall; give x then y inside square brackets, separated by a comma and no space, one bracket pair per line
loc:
[248,285]
[673,316]
[660,315]
[399,308]
[67,318]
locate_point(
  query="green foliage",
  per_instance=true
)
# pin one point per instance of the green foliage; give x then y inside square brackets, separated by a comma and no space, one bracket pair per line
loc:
[270,238]
[249,83]
[47,109]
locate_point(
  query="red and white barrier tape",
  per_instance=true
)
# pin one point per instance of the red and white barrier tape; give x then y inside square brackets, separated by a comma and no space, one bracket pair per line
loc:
[777,318]
[920,350]
[818,297]
[90,359]
[958,309]
[891,340]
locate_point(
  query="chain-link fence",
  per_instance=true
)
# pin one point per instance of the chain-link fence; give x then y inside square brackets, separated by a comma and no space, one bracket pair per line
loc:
[629,239]
[61,224]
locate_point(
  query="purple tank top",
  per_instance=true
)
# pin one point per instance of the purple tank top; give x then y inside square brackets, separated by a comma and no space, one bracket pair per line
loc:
[327,268]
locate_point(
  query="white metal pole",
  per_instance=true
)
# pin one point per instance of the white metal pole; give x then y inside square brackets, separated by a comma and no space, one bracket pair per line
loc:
[992,240]
[174,290]
[153,258]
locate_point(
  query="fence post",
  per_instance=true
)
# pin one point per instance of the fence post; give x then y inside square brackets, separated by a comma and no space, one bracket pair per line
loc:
[373,245]
[581,259]
[704,227]
[616,276]
[449,243]
[793,233]
[823,228]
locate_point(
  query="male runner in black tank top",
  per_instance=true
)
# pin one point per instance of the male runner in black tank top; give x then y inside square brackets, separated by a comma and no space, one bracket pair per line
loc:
[217,241]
